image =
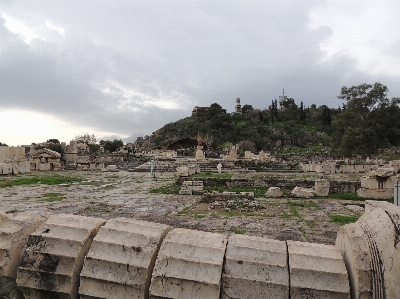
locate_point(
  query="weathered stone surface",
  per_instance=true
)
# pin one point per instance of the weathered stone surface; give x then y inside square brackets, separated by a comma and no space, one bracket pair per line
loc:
[112,168]
[369,182]
[8,289]
[121,259]
[3,217]
[189,265]
[187,183]
[381,228]
[6,168]
[382,172]
[185,192]
[274,192]
[375,193]
[182,171]
[52,259]
[255,268]
[321,187]
[354,248]
[302,192]
[317,271]
[14,232]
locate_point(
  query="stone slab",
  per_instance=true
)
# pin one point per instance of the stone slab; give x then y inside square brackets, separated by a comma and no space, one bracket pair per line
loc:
[189,265]
[375,193]
[121,259]
[53,257]
[274,192]
[321,187]
[302,192]
[317,271]
[255,268]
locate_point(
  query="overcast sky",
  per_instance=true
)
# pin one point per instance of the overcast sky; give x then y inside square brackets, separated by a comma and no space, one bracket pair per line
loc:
[126,68]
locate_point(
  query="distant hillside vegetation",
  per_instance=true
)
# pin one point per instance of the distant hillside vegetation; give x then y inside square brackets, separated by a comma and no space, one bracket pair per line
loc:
[368,122]
[254,129]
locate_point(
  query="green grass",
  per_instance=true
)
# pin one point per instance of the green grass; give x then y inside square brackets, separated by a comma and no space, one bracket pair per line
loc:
[285,215]
[354,196]
[347,196]
[51,180]
[342,220]
[167,189]
[198,216]
[114,176]
[11,211]
[239,231]
[213,175]
[51,197]
[298,215]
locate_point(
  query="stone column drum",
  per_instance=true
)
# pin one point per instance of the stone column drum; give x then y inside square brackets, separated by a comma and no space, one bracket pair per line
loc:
[255,268]
[14,232]
[53,257]
[121,259]
[189,265]
[317,271]
[371,250]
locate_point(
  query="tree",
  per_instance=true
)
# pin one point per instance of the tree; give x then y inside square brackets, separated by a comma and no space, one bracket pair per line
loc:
[369,120]
[247,108]
[326,115]
[3,144]
[113,146]
[85,138]
[302,113]
[55,141]
[56,147]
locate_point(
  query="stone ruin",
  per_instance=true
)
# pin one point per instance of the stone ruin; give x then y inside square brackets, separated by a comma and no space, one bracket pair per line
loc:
[69,256]
[379,183]
[199,153]
[14,160]
[321,188]
[347,166]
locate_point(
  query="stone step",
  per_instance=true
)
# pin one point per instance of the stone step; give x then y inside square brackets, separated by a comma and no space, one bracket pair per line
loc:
[121,259]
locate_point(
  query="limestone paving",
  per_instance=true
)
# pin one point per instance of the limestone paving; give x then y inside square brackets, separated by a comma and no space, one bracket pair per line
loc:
[127,194]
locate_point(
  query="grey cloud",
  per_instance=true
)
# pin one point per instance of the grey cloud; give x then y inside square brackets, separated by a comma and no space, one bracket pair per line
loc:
[188,52]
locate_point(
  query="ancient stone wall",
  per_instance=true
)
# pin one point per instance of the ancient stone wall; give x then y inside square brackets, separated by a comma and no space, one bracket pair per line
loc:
[270,181]
[70,256]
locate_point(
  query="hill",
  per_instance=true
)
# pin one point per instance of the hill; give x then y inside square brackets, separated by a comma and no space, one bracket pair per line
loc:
[369,121]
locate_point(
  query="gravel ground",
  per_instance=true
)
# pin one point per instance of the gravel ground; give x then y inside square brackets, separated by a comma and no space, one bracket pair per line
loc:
[126,194]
